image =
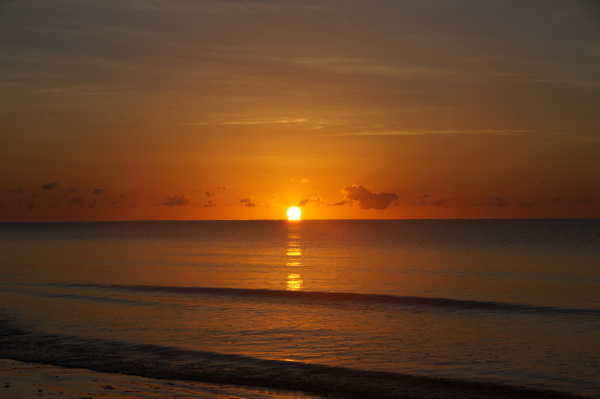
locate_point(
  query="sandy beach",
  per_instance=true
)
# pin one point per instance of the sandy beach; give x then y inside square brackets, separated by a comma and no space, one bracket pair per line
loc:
[20,380]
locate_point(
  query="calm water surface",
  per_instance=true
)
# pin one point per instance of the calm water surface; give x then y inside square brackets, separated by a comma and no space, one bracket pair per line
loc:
[508,301]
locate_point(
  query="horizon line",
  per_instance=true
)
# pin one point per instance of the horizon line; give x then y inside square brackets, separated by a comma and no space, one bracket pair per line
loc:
[284,220]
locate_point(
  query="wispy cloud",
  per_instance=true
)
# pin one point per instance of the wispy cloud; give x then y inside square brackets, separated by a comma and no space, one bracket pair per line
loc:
[355,65]
[265,121]
[433,132]
[312,200]
[306,123]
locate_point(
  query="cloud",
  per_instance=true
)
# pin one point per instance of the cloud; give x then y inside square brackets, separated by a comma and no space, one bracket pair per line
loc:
[311,200]
[266,121]
[209,199]
[528,204]
[588,199]
[499,201]
[177,200]
[50,186]
[365,66]
[303,180]
[247,202]
[441,201]
[368,199]
[99,191]
[76,201]
[344,202]
[439,132]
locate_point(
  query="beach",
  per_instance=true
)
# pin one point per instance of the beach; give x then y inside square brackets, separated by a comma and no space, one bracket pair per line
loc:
[21,380]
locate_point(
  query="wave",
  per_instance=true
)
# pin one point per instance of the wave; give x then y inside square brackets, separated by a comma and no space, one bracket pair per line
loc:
[343,297]
[163,362]
[62,295]
[80,297]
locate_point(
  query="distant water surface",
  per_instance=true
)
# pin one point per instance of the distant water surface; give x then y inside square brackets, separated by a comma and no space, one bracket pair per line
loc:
[499,301]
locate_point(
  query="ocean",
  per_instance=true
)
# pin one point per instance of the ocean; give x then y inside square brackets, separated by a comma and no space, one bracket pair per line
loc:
[345,308]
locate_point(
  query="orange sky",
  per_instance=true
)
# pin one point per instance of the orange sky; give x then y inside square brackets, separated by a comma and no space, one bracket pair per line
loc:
[238,109]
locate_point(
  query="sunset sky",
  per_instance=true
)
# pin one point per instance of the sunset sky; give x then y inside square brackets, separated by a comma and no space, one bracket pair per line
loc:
[178,109]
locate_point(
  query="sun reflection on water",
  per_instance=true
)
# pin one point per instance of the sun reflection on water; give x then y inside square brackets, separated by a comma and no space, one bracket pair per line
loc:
[294,282]
[294,253]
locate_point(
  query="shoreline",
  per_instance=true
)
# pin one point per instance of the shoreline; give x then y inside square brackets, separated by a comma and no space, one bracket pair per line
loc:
[23,380]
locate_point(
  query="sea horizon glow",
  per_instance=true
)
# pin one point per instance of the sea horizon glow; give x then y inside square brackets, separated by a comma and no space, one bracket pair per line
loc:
[235,110]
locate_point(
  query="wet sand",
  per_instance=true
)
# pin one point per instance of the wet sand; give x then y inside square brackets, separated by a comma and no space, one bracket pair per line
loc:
[20,380]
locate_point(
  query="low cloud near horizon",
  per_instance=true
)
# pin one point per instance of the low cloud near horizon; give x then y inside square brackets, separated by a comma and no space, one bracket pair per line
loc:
[368,199]
[247,203]
[177,200]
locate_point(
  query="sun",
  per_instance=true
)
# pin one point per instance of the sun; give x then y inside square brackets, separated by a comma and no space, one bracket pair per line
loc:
[294,213]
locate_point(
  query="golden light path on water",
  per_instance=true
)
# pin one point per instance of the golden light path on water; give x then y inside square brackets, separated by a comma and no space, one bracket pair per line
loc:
[294,254]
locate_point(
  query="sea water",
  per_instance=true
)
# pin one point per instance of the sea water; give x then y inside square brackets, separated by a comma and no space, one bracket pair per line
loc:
[498,302]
